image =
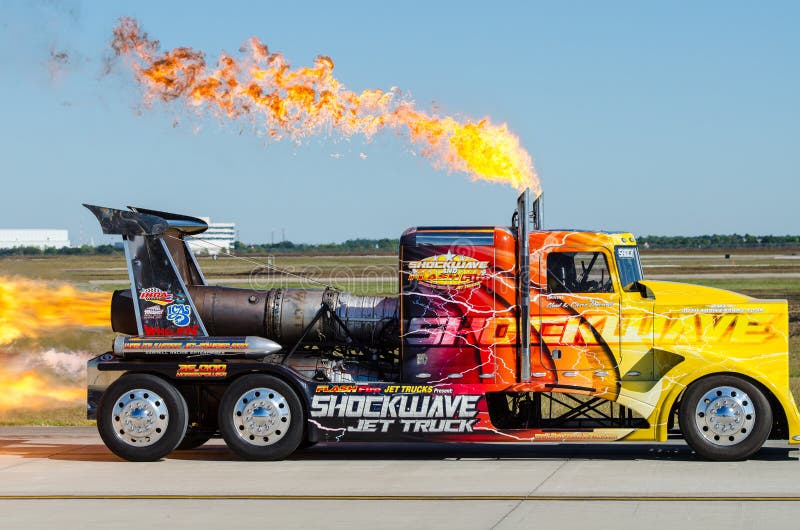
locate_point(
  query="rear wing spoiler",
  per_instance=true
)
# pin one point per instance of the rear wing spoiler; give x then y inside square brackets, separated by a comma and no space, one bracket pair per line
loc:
[144,222]
[161,267]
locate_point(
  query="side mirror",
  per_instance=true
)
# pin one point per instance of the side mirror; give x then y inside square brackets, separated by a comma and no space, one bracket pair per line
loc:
[642,289]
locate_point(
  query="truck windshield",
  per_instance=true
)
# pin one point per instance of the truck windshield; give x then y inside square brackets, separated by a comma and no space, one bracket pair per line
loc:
[630,269]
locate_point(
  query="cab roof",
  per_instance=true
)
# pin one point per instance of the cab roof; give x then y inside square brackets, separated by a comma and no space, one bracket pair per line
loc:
[585,237]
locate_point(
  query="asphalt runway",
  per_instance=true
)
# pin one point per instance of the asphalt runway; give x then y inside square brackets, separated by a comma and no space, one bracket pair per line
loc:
[65,477]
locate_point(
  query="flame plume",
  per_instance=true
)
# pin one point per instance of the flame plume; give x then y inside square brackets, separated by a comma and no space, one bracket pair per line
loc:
[262,86]
[28,309]
[30,389]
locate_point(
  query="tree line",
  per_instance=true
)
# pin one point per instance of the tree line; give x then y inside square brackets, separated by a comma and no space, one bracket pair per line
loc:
[351,246]
[389,246]
[719,241]
[63,251]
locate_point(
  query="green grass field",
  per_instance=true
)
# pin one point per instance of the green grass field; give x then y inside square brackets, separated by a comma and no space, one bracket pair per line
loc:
[366,275]
[60,417]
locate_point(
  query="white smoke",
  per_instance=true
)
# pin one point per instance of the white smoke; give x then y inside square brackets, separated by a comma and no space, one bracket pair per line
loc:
[67,366]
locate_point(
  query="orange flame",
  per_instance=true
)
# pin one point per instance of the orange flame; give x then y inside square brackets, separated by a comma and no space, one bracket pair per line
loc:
[29,308]
[262,86]
[32,390]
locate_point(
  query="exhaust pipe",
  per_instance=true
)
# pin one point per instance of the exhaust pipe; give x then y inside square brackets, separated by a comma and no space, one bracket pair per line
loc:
[525,219]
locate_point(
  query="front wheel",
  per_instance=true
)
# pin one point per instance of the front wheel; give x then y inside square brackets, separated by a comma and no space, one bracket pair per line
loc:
[725,417]
[141,417]
[261,418]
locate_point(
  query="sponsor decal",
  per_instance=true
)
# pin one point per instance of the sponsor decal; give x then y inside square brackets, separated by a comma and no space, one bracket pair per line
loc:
[409,389]
[557,303]
[409,413]
[366,389]
[171,332]
[575,436]
[179,314]
[183,344]
[337,389]
[217,345]
[448,271]
[153,312]
[626,252]
[202,370]
[156,295]
[722,309]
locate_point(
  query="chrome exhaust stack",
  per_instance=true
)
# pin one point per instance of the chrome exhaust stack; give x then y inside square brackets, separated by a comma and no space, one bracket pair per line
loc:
[526,219]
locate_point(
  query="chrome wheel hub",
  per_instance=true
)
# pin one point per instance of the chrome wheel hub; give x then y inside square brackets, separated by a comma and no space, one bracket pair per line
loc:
[140,417]
[261,416]
[725,415]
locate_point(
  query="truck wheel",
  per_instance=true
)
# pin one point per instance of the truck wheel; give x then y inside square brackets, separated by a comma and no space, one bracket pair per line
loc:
[261,418]
[192,440]
[724,417]
[141,417]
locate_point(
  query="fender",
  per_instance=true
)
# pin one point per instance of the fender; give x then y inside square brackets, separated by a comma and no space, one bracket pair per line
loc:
[784,397]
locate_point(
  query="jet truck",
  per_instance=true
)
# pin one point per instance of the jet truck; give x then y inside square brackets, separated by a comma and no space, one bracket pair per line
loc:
[511,334]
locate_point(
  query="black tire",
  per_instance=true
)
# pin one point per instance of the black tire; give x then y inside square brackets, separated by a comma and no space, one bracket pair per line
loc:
[261,418]
[192,440]
[724,417]
[141,417]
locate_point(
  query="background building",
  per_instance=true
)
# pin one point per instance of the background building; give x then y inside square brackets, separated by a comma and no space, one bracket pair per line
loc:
[33,237]
[218,238]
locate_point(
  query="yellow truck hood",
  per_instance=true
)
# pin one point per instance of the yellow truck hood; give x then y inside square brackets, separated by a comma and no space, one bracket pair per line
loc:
[674,293]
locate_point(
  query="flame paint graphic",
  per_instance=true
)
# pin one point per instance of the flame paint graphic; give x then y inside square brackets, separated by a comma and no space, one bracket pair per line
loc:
[29,309]
[261,86]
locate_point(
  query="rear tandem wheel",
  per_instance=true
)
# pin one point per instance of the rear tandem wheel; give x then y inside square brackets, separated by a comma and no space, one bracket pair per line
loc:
[261,418]
[141,417]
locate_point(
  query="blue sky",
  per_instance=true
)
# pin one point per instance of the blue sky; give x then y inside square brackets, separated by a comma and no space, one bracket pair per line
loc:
[670,118]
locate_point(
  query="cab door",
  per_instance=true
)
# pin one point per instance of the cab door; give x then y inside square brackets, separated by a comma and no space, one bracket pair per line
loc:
[636,338]
[579,318]
[636,318]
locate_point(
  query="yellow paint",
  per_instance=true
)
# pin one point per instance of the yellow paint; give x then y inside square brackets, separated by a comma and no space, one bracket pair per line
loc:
[670,336]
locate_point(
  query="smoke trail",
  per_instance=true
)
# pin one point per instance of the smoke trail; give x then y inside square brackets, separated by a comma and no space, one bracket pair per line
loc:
[43,380]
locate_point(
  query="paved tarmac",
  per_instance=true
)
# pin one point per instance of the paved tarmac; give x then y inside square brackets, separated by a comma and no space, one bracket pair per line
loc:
[65,477]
